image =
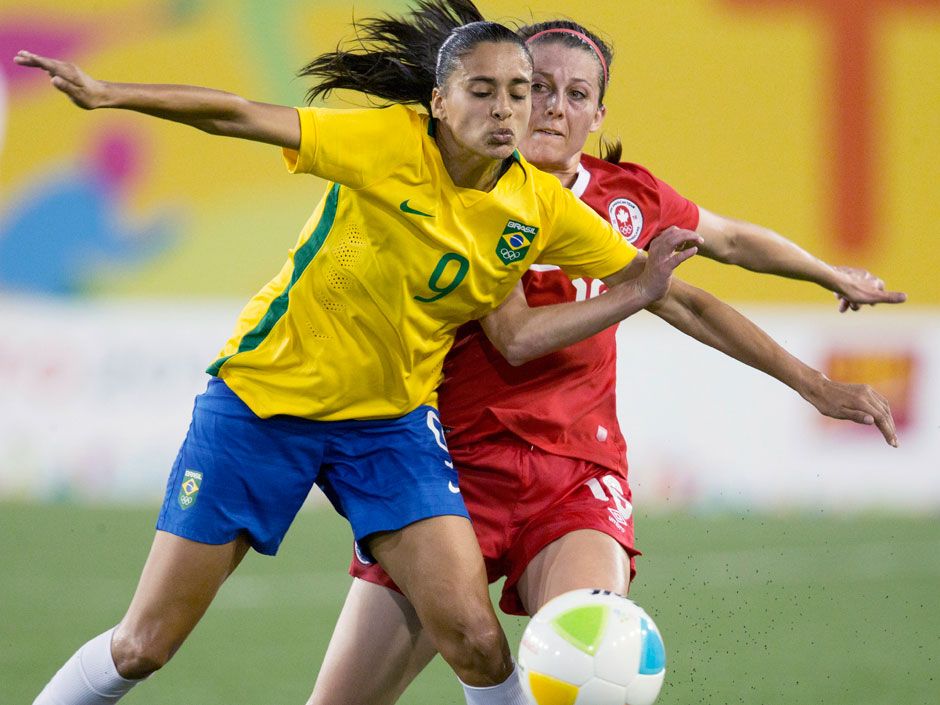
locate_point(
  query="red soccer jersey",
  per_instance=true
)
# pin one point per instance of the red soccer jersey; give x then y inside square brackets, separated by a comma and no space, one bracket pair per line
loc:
[564,403]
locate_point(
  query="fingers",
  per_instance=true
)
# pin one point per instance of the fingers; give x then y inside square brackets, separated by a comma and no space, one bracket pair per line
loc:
[27,58]
[678,258]
[857,416]
[674,246]
[64,76]
[870,298]
[884,420]
[679,239]
[892,297]
[885,424]
[62,73]
[859,403]
[846,304]
[873,409]
[860,287]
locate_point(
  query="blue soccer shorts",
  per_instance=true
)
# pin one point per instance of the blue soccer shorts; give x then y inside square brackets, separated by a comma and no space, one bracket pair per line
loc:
[237,473]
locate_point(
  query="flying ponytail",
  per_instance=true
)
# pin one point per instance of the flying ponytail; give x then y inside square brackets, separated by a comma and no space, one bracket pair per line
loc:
[401,59]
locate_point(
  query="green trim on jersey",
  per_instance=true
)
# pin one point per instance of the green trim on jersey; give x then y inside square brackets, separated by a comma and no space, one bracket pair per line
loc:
[303,257]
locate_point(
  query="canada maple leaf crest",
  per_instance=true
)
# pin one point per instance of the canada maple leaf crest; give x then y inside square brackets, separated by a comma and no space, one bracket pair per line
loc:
[627,217]
[624,220]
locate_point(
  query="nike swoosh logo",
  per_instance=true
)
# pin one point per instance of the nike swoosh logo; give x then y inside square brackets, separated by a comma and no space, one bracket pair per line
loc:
[453,488]
[408,209]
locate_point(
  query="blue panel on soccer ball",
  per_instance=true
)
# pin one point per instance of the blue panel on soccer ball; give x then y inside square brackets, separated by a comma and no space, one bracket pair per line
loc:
[653,652]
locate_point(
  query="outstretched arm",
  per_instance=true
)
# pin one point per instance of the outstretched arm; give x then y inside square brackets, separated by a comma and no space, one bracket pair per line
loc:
[522,333]
[716,324]
[212,111]
[760,249]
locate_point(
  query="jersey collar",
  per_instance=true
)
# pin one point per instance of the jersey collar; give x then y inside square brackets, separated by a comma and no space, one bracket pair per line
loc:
[581,181]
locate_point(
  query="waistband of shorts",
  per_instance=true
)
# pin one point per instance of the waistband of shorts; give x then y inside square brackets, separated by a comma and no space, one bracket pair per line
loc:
[504,437]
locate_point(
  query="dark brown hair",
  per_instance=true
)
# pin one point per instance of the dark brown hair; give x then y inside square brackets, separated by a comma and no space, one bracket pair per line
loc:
[401,59]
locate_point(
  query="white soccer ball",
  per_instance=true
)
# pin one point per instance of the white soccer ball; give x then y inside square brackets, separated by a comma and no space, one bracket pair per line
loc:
[591,647]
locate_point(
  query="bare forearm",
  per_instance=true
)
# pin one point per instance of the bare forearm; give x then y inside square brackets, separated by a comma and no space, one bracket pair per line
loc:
[760,249]
[522,333]
[529,333]
[714,323]
[213,111]
[192,105]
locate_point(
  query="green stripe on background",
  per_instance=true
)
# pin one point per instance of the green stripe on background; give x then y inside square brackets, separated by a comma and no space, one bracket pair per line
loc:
[303,257]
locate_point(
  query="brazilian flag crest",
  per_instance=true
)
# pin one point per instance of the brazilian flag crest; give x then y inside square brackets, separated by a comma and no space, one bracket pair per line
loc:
[515,242]
[189,489]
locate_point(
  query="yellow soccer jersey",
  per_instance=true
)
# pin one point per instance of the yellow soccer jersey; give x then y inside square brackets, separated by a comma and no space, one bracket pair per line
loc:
[393,260]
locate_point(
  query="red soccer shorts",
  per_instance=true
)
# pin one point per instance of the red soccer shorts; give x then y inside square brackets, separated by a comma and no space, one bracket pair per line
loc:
[521,499]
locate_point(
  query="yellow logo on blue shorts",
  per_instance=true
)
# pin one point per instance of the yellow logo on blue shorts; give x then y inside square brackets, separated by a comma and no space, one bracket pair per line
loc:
[189,489]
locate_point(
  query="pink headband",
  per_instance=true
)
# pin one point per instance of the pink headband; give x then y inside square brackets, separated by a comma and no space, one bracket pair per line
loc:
[580,35]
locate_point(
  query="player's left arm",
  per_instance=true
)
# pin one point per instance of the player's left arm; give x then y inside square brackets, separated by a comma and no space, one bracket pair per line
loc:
[760,249]
[710,321]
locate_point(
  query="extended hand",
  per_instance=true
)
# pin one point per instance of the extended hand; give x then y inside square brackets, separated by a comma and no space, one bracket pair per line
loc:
[83,90]
[666,252]
[854,402]
[858,286]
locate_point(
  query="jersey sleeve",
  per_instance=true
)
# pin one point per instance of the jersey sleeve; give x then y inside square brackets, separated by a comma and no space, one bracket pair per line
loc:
[675,209]
[355,148]
[582,243]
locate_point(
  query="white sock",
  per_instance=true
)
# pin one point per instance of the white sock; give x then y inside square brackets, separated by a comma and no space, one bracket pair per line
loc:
[88,678]
[509,692]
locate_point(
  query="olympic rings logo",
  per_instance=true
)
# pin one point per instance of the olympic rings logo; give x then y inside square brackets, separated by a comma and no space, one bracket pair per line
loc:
[508,254]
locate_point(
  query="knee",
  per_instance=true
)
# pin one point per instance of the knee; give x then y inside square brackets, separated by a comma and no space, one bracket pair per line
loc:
[477,650]
[137,655]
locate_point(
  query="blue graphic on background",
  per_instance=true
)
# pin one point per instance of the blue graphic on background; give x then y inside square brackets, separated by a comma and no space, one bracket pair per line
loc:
[55,238]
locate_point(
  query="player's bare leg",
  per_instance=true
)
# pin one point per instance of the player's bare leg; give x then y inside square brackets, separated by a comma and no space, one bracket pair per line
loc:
[581,559]
[437,564]
[178,582]
[377,649]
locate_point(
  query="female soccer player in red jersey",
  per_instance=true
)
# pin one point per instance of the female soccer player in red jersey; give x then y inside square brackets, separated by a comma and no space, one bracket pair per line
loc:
[538,447]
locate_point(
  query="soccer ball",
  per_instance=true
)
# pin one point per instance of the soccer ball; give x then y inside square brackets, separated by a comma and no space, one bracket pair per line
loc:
[591,647]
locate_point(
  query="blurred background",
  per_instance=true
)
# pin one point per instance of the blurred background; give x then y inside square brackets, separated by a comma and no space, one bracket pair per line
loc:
[789,558]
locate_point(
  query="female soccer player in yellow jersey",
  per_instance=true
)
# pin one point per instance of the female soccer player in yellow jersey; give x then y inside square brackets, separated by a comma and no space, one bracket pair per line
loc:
[330,376]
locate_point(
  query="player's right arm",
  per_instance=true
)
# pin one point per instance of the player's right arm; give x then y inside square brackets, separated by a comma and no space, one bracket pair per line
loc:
[212,111]
[522,333]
